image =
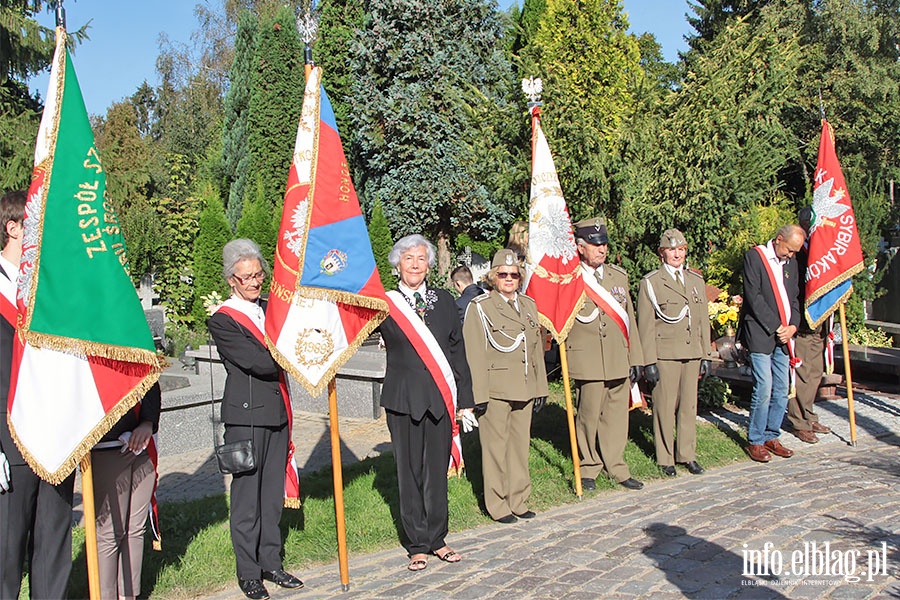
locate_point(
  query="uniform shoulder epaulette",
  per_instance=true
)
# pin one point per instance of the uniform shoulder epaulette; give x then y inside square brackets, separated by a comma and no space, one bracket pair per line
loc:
[650,274]
[619,269]
[527,296]
[696,272]
[480,298]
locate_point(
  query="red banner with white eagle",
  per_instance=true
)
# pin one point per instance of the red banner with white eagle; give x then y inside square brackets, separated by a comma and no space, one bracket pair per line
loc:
[835,251]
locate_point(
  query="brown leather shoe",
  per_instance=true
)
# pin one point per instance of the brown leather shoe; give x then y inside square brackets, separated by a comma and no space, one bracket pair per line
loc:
[819,428]
[775,447]
[759,453]
[805,435]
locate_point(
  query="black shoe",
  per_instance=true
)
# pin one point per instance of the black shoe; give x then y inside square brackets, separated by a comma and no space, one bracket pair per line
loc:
[588,484]
[694,467]
[283,579]
[668,470]
[528,514]
[632,484]
[510,518]
[253,589]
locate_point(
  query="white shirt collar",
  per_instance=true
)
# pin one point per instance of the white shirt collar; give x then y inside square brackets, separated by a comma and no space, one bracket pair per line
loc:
[251,309]
[590,270]
[672,270]
[11,269]
[409,292]
[769,249]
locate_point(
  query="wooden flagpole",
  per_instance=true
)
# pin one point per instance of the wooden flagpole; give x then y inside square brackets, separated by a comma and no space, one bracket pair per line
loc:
[338,477]
[848,377]
[90,527]
[570,419]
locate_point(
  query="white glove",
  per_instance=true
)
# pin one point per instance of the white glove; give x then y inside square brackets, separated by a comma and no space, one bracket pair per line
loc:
[468,421]
[125,438]
[4,474]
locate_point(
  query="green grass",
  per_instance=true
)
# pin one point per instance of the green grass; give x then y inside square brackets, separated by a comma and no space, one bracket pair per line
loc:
[197,555]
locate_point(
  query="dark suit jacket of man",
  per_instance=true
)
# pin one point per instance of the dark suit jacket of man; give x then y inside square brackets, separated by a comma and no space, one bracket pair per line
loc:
[408,387]
[252,375]
[7,335]
[471,292]
[759,312]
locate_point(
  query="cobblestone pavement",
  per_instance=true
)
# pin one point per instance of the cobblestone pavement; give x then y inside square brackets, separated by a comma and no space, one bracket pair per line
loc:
[725,534]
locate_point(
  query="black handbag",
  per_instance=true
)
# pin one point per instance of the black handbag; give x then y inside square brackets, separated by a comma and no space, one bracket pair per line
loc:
[233,458]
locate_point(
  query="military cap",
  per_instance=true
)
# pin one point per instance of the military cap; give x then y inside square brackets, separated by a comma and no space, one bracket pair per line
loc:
[505,258]
[672,238]
[593,231]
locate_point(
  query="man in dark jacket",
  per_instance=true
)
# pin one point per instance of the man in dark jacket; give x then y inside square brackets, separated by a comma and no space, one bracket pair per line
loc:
[464,283]
[769,319]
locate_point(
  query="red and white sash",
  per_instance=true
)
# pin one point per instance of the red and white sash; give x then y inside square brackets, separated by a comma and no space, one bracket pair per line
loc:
[784,312]
[605,301]
[8,298]
[291,479]
[428,349]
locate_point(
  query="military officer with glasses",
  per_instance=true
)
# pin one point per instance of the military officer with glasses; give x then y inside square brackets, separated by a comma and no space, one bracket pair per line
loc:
[675,337]
[605,360]
[505,352]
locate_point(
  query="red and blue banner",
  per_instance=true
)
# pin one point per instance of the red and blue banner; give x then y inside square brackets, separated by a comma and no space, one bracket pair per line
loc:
[835,251]
[326,295]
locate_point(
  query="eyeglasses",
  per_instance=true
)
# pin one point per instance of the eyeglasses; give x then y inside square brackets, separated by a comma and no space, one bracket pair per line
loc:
[507,275]
[247,279]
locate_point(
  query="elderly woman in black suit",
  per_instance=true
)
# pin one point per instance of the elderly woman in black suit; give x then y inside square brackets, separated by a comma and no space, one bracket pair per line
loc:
[253,407]
[427,387]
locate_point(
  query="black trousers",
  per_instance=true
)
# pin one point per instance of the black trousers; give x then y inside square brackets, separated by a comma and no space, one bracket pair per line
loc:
[33,506]
[257,499]
[422,453]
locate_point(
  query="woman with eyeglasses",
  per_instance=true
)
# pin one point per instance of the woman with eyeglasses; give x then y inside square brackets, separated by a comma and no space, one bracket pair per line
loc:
[505,352]
[255,405]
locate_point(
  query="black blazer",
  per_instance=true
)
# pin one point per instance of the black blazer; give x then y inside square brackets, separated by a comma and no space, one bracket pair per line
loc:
[471,292]
[408,386]
[7,335]
[759,313]
[251,369]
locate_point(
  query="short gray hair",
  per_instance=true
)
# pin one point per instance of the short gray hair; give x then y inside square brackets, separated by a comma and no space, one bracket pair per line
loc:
[408,243]
[240,249]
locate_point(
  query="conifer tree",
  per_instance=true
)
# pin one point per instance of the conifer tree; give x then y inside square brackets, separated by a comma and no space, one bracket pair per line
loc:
[212,236]
[276,97]
[256,222]
[235,155]
[380,236]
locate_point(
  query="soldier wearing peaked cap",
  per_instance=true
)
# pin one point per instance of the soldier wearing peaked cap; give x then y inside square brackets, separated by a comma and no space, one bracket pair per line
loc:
[605,358]
[505,352]
[675,336]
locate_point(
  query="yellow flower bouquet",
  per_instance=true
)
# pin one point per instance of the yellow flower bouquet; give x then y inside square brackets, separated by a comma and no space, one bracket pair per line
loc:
[723,313]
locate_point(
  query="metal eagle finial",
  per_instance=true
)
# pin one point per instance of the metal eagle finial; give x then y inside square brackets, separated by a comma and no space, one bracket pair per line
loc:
[532,87]
[308,24]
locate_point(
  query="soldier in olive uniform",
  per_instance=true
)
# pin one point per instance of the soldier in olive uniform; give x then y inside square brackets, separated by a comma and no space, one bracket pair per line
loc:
[605,358]
[675,335]
[506,357]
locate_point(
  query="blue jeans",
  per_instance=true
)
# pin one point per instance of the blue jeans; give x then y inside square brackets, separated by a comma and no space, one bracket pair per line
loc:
[769,399]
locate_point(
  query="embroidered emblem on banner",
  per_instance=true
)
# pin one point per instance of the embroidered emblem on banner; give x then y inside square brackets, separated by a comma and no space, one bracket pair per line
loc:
[334,262]
[313,347]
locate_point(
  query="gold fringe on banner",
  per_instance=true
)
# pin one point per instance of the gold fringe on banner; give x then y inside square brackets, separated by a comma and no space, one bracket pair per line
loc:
[78,347]
[857,268]
[292,503]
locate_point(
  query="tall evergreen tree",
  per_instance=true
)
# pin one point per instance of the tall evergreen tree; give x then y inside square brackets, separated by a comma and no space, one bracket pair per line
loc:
[588,63]
[276,97]
[256,222]
[212,236]
[425,72]
[382,242]
[235,153]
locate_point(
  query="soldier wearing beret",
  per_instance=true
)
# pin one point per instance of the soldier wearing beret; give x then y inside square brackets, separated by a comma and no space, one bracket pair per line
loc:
[605,358]
[675,337]
[505,352]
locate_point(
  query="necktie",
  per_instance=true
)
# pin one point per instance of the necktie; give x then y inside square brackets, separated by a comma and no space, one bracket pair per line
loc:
[420,305]
[679,280]
[512,305]
[599,277]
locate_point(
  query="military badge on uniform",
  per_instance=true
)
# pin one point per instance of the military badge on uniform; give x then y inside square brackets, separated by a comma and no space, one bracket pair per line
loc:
[695,294]
[334,262]
[530,320]
[618,292]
